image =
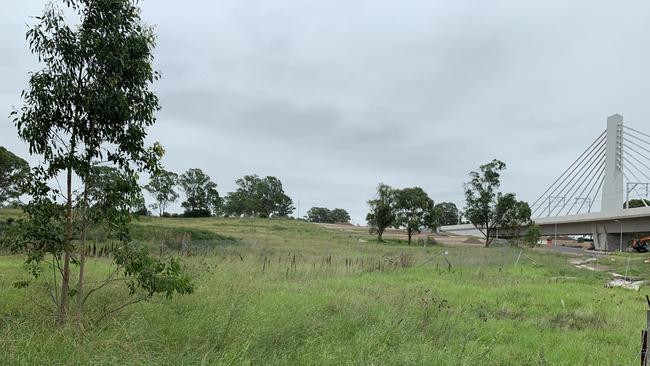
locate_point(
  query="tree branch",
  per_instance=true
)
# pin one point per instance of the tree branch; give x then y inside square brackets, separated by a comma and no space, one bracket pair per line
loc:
[135,301]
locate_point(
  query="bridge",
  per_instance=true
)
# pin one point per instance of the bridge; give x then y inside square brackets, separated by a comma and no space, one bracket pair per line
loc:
[593,194]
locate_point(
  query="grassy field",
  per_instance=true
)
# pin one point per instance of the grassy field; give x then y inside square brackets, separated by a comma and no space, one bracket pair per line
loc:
[284,292]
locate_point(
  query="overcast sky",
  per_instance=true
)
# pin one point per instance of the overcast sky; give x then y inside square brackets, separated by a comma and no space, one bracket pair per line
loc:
[333,97]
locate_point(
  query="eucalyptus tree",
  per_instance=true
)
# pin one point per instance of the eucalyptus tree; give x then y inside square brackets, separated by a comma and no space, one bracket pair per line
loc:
[201,195]
[412,209]
[13,172]
[382,210]
[486,207]
[258,197]
[446,213]
[318,214]
[517,216]
[89,104]
[325,215]
[338,215]
[162,187]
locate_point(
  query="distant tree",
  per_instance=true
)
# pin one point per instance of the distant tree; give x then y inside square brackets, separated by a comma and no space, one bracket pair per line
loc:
[412,206]
[325,215]
[258,197]
[636,203]
[215,202]
[90,102]
[140,205]
[338,216]
[201,196]
[110,188]
[446,213]
[162,187]
[532,235]
[13,172]
[516,216]
[485,205]
[382,210]
[318,214]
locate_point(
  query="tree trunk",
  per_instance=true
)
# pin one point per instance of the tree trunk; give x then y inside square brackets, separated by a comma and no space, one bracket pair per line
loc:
[487,234]
[82,257]
[380,233]
[65,280]
[409,232]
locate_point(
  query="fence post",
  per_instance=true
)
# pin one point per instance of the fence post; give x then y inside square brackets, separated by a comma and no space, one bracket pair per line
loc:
[644,337]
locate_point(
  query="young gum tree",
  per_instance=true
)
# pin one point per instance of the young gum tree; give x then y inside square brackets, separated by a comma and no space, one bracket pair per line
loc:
[485,205]
[161,187]
[90,104]
[382,210]
[412,209]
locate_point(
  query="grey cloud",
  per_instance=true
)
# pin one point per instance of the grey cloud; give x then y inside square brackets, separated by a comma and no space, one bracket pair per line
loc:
[335,96]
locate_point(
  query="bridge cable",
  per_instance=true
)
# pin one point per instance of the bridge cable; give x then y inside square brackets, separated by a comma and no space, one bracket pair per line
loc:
[564,176]
[599,172]
[635,167]
[633,175]
[595,153]
[561,190]
[637,131]
[640,154]
[574,165]
[600,178]
[635,191]
[636,143]
[569,168]
[579,181]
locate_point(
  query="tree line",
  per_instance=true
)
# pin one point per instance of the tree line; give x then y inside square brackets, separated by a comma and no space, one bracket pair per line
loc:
[327,216]
[410,209]
[486,208]
[254,196]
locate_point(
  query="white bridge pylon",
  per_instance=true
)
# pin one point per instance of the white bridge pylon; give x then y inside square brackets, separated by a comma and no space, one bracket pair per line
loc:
[613,170]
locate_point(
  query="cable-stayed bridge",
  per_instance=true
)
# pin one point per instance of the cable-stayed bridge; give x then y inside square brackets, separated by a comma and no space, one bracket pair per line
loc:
[592,196]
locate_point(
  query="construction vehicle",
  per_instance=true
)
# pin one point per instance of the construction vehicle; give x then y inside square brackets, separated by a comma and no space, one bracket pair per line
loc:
[640,245]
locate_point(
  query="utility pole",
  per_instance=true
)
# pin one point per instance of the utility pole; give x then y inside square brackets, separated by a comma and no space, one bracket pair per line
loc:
[620,243]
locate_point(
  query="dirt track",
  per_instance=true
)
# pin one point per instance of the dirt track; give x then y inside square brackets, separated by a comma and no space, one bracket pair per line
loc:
[401,234]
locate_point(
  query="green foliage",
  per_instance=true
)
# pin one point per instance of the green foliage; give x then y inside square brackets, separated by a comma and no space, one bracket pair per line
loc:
[636,203]
[90,103]
[161,186]
[339,215]
[486,207]
[516,214]
[258,197]
[318,214]
[111,197]
[13,173]
[412,208]
[532,235]
[485,311]
[382,211]
[151,274]
[93,88]
[445,213]
[201,196]
[40,231]
[325,215]
[155,234]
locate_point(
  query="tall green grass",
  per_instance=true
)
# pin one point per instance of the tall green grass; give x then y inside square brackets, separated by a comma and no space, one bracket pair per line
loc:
[293,293]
